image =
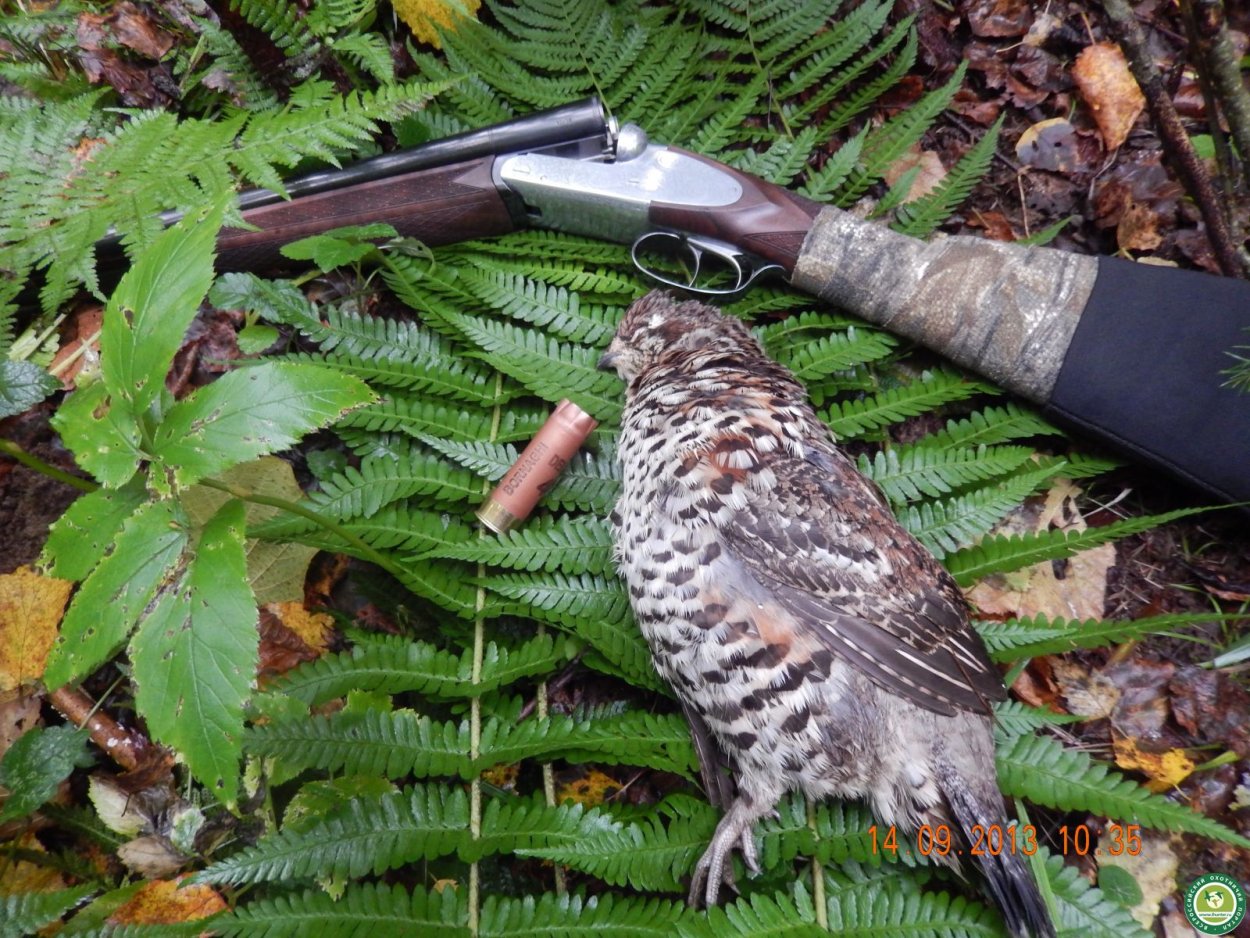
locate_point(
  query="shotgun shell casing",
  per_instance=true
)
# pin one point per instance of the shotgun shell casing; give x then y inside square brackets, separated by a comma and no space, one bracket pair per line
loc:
[537,467]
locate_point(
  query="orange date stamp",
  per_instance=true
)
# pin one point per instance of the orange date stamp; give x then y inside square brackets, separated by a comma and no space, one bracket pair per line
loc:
[938,840]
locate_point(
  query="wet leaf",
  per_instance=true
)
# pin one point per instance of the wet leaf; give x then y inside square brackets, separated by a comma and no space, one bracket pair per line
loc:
[30,611]
[426,17]
[1138,229]
[1049,144]
[1165,770]
[168,902]
[997,18]
[1102,75]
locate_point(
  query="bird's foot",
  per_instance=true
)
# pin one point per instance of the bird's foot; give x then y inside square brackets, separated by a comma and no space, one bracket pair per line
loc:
[734,830]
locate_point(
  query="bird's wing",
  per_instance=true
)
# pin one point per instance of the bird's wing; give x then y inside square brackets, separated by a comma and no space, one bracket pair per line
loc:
[817,538]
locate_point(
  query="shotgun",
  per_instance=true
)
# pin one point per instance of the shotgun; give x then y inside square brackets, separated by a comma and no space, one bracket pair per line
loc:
[1129,354]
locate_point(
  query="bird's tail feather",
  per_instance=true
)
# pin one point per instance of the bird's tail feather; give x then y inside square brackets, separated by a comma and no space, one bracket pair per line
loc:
[1006,872]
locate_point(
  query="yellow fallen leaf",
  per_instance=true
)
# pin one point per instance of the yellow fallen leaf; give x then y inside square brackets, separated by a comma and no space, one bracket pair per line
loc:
[164,902]
[22,876]
[314,628]
[424,17]
[591,789]
[1165,770]
[30,610]
[1102,76]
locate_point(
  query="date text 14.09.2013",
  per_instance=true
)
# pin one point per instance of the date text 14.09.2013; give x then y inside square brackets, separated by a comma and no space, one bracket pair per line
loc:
[993,840]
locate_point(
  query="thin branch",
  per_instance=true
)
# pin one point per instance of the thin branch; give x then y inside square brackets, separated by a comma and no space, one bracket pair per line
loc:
[1175,141]
[1223,65]
[123,746]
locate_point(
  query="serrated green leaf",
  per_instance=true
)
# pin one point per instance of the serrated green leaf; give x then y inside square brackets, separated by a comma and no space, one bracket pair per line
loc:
[109,603]
[79,538]
[22,386]
[195,656]
[148,314]
[102,434]
[26,913]
[379,909]
[249,413]
[36,764]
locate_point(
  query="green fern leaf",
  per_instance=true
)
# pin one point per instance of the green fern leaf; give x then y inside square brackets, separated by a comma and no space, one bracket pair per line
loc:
[397,528]
[992,425]
[1018,639]
[921,217]
[1043,771]
[785,338]
[550,368]
[838,352]
[854,418]
[418,416]
[1004,553]
[381,909]
[554,308]
[846,108]
[945,526]
[572,916]
[571,545]
[1012,718]
[913,472]
[1085,910]
[761,914]
[395,666]
[25,913]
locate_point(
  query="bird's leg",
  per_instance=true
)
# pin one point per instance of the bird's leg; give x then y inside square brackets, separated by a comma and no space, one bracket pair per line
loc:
[734,829]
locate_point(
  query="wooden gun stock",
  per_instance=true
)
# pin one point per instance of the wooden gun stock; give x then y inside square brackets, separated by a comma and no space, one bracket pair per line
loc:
[436,206]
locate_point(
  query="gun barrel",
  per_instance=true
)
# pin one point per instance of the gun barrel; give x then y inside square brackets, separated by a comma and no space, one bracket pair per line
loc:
[585,123]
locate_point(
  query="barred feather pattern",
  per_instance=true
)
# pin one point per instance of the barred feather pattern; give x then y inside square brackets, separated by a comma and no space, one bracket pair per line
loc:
[814,642]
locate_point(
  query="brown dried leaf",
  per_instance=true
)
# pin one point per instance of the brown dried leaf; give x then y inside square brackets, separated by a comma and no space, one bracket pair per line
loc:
[932,172]
[1074,589]
[166,902]
[80,351]
[1102,75]
[998,18]
[1138,229]
[30,611]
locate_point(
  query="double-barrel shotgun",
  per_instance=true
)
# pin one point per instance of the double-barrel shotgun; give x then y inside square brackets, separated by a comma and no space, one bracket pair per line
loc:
[1132,355]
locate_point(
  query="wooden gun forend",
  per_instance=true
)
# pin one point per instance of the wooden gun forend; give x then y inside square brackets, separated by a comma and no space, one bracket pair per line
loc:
[436,206]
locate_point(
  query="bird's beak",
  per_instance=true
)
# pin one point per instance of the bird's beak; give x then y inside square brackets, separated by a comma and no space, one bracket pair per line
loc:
[607,361]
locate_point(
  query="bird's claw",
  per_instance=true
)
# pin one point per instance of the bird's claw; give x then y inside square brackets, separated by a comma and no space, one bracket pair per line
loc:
[714,867]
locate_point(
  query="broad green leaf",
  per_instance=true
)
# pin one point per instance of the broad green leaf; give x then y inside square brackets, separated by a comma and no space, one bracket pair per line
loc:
[149,312]
[249,413]
[275,569]
[195,656]
[103,436]
[22,386]
[79,538]
[113,597]
[37,762]
[255,338]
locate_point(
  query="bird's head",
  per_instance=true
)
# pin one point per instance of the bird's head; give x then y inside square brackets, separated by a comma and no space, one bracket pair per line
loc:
[661,329]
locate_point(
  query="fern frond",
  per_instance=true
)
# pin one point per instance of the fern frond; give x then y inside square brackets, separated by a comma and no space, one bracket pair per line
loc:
[550,368]
[25,913]
[838,352]
[589,482]
[398,528]
[280,20]
[868,911]
[359,493]
[1016,639]
[921,217]
[377,907]
[571,545]
[395,666]
[853,418]
[1004,553]
[400,743]
[846,108]
[833,174]
[908,473]
[555,308]
[1043,771]
[1085,910]
[794,333]
[891,140]
[604,916]
[651,852]
[420,416]
[945,526]
[993,425]
[374,834]
[1013,718]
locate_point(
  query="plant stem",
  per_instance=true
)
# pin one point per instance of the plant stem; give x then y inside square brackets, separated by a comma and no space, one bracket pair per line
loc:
[366,551]
[15,452]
